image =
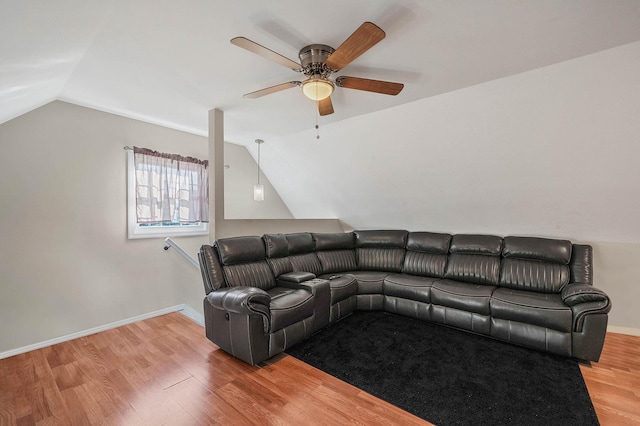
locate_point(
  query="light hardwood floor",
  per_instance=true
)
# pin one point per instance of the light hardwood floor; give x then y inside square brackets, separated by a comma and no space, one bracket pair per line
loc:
[163,371]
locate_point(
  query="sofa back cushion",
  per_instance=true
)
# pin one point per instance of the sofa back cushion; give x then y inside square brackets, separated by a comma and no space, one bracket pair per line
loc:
[380,250]
[426,254]
[535,264]
[474,259]
[243,262]
[300,243]
[302,253]
[276,245]
[236,250]
[277,250]
[335,251]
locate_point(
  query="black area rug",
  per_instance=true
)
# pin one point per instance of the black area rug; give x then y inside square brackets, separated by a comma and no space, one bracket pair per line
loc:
[449,377]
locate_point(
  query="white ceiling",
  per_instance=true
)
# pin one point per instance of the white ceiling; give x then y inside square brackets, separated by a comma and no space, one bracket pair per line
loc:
[169,62]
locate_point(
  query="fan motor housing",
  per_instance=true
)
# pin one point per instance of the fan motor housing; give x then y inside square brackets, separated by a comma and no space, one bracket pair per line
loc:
[313,57]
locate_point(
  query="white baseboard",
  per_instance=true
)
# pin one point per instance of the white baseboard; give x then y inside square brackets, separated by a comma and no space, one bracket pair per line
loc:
[624,330]
[192,314]
[183,309]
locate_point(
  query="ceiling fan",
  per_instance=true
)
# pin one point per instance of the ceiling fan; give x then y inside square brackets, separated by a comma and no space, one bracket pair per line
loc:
[319,61]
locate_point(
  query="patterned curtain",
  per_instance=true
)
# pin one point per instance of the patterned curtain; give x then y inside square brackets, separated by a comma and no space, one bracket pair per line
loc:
[170,189]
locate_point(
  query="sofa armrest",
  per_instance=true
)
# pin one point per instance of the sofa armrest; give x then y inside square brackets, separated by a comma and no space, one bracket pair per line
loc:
[576,293]
[295,280]
[297,277]
[243,300]
[584,300]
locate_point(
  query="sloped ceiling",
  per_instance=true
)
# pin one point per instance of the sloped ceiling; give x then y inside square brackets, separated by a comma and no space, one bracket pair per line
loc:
[170,62]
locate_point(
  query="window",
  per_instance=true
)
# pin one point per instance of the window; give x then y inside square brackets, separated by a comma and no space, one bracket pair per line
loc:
[168,195]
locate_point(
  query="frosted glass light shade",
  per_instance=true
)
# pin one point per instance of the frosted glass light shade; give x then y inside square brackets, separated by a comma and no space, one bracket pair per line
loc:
[258,192]
[317,89]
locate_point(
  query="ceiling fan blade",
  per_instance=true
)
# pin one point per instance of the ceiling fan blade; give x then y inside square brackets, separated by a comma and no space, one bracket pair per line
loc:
[272,89]
[258,49]
[377,86]
[364,38]
[325,106]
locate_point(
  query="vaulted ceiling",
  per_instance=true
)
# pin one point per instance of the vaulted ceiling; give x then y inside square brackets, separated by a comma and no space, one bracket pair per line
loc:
[170,62]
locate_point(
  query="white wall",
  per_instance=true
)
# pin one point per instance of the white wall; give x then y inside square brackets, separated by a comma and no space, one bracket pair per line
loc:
[551,152]
[66,265]
[239,178]
[614,272]
[234,227]
[65,262]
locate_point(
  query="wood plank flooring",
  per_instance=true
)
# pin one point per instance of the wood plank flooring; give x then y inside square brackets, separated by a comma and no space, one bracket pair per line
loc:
[614,381]
[163,371]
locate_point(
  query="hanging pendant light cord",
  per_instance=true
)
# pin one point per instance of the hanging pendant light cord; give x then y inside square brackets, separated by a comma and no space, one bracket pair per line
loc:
[259,163]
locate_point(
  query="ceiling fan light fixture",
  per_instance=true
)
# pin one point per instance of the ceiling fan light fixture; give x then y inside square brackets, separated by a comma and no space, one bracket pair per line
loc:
[317,88]
[319,61]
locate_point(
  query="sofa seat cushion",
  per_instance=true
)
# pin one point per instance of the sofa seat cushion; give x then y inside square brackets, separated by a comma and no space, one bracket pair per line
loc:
[541,309]
[288,306]
[410,287]
[462,296]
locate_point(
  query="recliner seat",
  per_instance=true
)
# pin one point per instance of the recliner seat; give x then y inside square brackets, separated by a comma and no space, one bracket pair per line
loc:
[250,295]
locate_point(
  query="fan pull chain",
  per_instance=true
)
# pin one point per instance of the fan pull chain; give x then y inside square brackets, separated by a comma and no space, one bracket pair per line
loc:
[317,118]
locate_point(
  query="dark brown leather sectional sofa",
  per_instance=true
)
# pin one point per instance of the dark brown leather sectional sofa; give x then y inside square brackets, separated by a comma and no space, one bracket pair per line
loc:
[265,294]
